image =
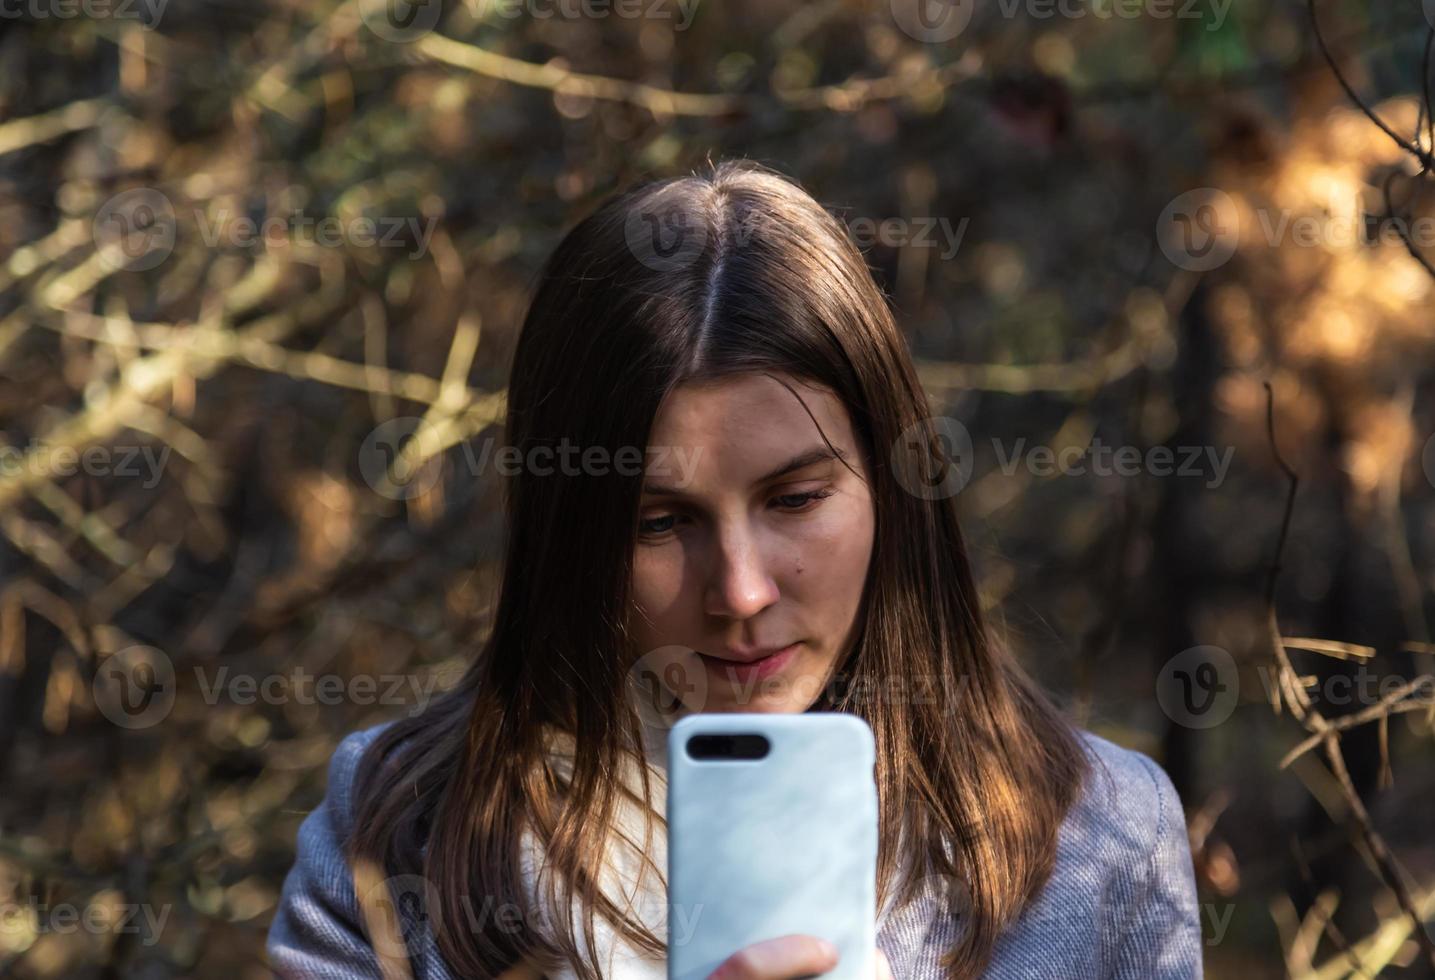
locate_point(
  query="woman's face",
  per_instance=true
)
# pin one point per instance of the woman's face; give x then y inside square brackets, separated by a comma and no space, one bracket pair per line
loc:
[752,538]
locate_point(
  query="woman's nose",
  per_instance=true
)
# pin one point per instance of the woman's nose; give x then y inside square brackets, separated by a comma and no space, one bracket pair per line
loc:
[739,584]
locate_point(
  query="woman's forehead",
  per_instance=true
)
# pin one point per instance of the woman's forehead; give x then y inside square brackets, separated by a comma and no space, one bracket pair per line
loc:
[745,431]
[743,400]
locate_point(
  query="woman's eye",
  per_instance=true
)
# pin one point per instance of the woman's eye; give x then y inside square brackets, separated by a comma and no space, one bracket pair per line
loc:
[793,501]
[657,525]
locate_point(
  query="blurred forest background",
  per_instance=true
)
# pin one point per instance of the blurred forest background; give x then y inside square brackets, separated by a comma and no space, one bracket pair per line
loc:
[246,246]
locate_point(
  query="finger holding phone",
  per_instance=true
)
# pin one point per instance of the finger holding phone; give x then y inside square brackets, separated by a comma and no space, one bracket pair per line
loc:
[787,958]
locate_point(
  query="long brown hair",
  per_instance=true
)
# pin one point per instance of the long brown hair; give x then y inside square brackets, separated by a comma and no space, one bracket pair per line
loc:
[733,270]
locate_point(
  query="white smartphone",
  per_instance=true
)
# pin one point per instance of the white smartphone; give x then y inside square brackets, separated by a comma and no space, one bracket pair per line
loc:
[772,829]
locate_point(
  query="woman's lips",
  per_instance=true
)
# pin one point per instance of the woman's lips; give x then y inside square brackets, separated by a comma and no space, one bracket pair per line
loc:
[731,670]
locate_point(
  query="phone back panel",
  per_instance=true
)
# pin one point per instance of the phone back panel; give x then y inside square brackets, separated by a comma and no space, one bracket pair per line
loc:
[765,847]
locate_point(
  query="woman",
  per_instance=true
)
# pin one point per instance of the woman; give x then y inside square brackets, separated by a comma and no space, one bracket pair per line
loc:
[758,473]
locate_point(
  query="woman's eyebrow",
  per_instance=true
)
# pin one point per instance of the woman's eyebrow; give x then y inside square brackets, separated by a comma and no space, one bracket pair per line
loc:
[802,460]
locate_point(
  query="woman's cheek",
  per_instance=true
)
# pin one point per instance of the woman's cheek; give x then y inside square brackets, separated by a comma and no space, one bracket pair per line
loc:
[843,529]
[834,556]
[657,580]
